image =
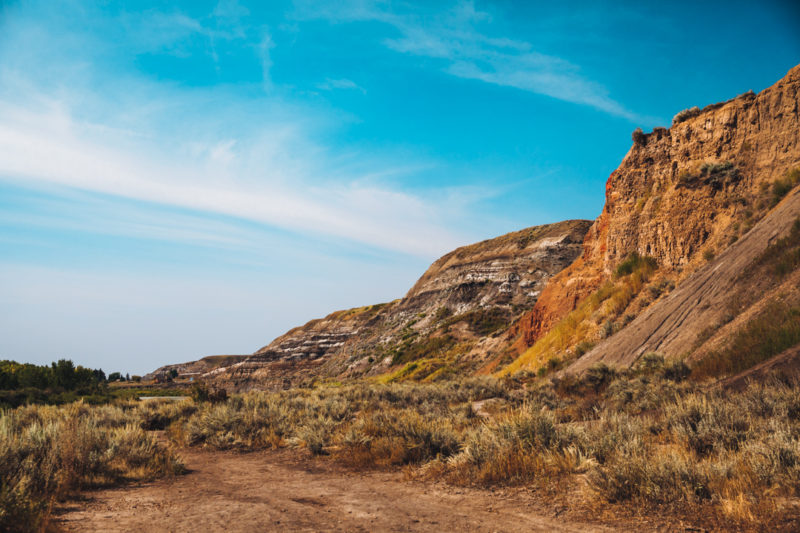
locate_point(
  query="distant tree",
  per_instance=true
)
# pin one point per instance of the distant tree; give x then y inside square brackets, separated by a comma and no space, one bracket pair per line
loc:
[136,378]
[64,374]
[84,378]
[114,376]
[8,375]
[173,373]
[33,376]
[127,377]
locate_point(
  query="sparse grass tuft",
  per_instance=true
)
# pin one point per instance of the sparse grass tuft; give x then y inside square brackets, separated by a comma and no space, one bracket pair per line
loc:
[774,330]
[782,186]
[784,255]
[686,114]
[411,350]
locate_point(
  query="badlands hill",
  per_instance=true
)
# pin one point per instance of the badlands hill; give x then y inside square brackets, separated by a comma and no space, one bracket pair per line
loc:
[695,255]
[448,322]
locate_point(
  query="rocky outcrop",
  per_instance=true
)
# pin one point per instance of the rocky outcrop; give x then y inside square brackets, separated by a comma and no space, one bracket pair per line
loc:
[472,292]
[674,326]
[682,195]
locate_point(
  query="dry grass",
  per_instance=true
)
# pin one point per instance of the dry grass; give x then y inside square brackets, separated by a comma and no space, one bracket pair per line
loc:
[783,256]
[782,186]
[771,332]
[46,452]
[641,437]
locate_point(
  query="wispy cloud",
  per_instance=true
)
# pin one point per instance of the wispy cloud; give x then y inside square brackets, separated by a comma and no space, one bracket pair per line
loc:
[266,179]
[331,84]
[264,47]
[462,40]
[90,124]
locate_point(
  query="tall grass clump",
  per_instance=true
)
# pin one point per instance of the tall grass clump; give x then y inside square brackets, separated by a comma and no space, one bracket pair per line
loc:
[387,424]
[635,263]
[783,256]
[521,446]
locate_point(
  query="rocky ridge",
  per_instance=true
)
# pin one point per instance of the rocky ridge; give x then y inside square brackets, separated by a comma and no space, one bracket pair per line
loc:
[695,204]
[471,293]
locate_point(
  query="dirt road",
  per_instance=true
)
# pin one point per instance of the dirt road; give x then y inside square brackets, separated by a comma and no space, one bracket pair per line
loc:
[277,491]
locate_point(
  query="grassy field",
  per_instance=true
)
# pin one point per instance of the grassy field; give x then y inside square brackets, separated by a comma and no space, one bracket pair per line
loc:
[647,438]
[642,438]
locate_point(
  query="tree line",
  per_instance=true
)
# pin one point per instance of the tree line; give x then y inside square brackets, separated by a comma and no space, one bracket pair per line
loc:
[63,375]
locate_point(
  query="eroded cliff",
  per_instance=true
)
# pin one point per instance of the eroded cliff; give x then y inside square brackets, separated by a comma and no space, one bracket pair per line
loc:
[681,196]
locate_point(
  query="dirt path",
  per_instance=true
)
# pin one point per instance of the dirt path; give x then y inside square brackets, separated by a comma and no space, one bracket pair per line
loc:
[277,491]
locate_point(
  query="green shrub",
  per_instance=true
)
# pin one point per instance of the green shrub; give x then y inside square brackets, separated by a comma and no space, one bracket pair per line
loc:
[482,321]
[676,370]
[650,362]
[598,376]
[442,313]
[426,348]
[685,115]
[582,347]
[784,254]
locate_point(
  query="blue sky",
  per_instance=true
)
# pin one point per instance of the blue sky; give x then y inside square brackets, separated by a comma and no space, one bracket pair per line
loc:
[180,179]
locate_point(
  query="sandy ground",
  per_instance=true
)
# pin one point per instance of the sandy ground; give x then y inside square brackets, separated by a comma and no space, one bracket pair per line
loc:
[279,491]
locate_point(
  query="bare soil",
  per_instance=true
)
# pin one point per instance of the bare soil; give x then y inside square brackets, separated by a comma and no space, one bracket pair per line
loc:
[281,491]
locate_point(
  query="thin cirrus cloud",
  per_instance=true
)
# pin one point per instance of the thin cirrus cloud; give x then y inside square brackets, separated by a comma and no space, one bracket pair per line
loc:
[454,37]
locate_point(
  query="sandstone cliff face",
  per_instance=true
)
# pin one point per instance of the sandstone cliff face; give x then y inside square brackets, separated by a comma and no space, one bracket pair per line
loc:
[682,195]
[472,292]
